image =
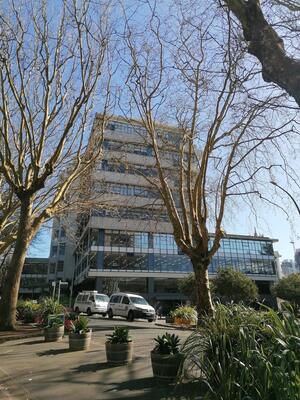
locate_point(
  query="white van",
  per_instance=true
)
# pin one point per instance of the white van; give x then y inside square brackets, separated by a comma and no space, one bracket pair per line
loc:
[130,306]
[91,302]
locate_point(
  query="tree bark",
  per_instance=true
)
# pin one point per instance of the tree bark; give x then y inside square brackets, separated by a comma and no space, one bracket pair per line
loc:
[204,304]
[10,291]
[267,46]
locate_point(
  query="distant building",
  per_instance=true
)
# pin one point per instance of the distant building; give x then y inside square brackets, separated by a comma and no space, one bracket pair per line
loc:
[34,280]
[130,245]
[287,267]
[297,260]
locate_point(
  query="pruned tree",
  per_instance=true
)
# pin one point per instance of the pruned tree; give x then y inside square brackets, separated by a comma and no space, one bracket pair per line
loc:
[190,71]
[51,63]
[264,42]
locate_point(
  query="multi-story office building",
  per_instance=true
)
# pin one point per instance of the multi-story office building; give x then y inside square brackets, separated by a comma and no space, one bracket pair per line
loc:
[127,243]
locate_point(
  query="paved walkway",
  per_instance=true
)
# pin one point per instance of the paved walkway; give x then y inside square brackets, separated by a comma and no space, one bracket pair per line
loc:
[31,369]
[22,331]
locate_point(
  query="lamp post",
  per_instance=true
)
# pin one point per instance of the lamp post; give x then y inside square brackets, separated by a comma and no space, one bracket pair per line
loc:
[290,196]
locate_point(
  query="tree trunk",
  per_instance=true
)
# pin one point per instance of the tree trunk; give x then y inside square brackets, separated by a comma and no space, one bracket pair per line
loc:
[10,290]
[204,303]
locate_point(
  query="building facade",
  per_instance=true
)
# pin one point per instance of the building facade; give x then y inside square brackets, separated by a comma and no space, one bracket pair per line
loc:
[127,243]
[34,279]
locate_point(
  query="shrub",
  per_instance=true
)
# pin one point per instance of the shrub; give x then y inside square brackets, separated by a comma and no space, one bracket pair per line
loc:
[80,325]
[243,354]
[27,310]
[288,288]
[233,286]
[49,306]
[119,335]
[54,322]
[185,312]
[167,344]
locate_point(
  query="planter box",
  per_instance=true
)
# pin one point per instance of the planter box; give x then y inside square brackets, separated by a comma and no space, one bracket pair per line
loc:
[79,342]
[183,321]
[169,319]
[54,334]
[166,366]
[119,353]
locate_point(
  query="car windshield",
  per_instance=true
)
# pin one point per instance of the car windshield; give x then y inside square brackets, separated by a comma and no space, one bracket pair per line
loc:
[100,297]
[138,300]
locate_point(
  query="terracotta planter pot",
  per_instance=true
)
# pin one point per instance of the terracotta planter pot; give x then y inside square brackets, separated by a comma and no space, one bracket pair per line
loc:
[54,334]
[119,353]
[183,321]
[166,366]
[79,342]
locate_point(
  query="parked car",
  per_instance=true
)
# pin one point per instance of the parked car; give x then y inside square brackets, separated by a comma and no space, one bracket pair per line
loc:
[130,306]
[91,302]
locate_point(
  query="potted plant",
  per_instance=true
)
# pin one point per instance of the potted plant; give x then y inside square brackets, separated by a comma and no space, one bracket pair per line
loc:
[50,307]
[166,357]
[119,347]
[185,315]
[80,335]
[54,330]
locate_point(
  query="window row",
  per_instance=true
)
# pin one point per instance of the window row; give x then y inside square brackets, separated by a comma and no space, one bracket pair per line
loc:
[128,148]
[131,190]
[180,263]
[35,268]
[247,246]
[127,168]
[133,213]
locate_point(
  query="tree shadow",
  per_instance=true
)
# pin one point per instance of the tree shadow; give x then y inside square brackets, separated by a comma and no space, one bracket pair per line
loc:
[53,352]
[39,341]
[94,367]
[154,388]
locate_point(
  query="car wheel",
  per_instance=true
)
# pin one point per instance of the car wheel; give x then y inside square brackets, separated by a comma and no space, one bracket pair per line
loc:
[77,310]
[110,314]
[89,311]
[103,314]
[150,320]
[130,316]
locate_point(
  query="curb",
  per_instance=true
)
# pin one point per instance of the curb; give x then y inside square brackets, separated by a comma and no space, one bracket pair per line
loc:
[173,326]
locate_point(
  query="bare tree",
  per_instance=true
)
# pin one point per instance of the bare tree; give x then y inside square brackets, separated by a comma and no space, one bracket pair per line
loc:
[266,44]
[51,63]
[9,206]
[190,71]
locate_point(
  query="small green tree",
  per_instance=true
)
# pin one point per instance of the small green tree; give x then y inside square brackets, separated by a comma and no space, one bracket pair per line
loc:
[187,287]
[228,286]
[233,286]
[288,288]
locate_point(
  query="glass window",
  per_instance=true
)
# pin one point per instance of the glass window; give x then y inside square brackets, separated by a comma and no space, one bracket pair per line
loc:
[125,300]
[138,300]
[62,232]
[62,249]
[115,299]
[52,268]
[53,250]
[60,266]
